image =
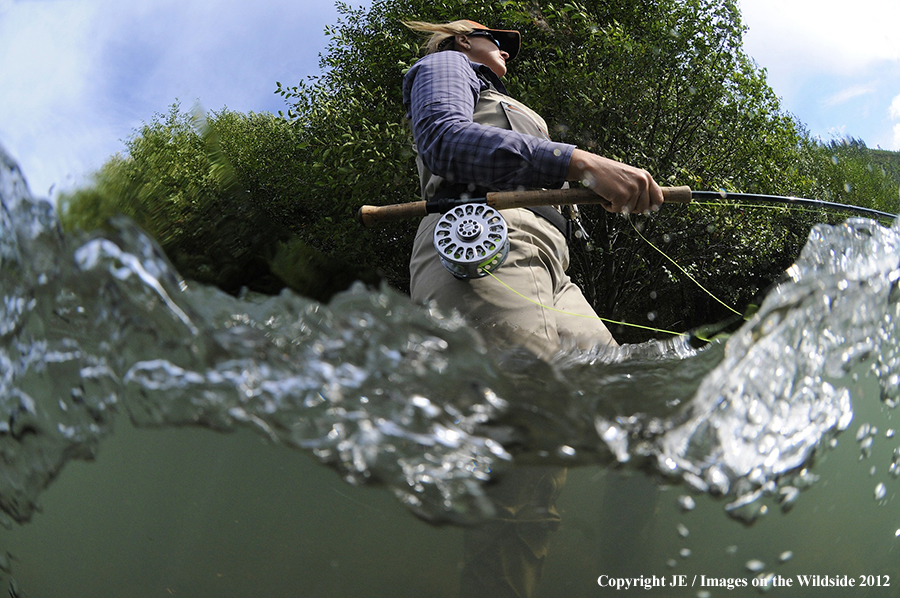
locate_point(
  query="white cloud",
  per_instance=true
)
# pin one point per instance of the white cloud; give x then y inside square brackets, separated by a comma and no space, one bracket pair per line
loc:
[896,145]
[828,35]
[894,110]
[850,93]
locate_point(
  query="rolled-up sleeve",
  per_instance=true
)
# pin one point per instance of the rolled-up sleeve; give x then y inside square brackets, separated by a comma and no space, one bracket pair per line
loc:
[440,94]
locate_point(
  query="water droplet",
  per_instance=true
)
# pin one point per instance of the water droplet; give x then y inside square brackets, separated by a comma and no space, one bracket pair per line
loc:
[889,433]
[754,565]
[880,491]
[672,563]
[785,556]
[683,530]
[685,553]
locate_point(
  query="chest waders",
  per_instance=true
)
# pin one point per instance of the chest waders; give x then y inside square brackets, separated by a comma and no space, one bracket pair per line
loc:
[472,240]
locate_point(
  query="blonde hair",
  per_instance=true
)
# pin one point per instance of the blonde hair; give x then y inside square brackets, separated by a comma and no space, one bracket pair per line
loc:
[441,33]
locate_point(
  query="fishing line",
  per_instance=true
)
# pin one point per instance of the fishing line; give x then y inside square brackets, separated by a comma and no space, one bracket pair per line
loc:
[568,313]
[685,272]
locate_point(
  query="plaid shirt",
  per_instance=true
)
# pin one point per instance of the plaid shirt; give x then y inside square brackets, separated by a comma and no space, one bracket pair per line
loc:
[439,93]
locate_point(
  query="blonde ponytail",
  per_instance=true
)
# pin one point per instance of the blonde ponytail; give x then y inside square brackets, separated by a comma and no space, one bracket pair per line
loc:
[442,34]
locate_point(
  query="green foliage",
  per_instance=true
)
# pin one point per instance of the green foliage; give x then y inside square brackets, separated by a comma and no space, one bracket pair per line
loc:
[176,183]
[264,201]
[846,171]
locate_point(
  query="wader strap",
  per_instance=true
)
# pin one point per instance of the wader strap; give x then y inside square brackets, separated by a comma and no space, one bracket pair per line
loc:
[553,216]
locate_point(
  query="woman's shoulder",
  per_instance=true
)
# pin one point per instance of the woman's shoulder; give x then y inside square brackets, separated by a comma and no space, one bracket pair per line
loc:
[441,66]
[446,61]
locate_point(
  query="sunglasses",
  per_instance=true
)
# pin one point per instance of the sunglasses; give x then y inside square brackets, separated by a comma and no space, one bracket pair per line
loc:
[486,34]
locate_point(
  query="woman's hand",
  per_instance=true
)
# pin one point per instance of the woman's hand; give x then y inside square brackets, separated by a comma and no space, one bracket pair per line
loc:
[625,188]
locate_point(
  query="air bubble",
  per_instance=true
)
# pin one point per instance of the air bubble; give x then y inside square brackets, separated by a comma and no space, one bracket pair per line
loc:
[685,553]
[862,432]
[754,565]
[683,531]
[788,496]
[785,556]
[566,451]
[894,467]
[880,491]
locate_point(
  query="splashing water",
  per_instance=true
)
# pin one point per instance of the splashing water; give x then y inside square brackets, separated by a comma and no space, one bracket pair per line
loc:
[387,392]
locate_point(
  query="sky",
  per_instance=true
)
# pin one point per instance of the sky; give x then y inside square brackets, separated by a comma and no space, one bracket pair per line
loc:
[835,64]
[78,77]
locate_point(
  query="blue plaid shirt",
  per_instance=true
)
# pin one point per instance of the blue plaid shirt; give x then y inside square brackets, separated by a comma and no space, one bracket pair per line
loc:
[439,93]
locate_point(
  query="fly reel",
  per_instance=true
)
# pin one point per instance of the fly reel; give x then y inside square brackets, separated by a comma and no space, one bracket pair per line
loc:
[471,240]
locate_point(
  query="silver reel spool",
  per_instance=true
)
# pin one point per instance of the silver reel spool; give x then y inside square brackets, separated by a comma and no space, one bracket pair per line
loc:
[471,240]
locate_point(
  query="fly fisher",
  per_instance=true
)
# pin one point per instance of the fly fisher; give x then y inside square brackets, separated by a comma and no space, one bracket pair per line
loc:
[472,138]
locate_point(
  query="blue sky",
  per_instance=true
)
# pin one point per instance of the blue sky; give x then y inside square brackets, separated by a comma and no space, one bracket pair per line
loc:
[77,77]
[834,63]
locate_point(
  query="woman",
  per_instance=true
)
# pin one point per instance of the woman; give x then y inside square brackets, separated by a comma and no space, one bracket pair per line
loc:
[471,137]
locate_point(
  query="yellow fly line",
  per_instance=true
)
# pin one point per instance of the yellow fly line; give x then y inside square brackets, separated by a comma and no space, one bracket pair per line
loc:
[685,272]
[568,313]
[608,321]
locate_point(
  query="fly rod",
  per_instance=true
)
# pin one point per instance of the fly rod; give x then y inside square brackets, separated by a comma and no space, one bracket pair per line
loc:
[502,200]
[790,201]
[499,200]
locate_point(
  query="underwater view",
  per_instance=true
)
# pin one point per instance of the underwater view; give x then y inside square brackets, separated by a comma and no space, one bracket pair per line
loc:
[162,438]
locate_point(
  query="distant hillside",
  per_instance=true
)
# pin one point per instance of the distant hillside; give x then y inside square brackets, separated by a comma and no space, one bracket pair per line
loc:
[889,161]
